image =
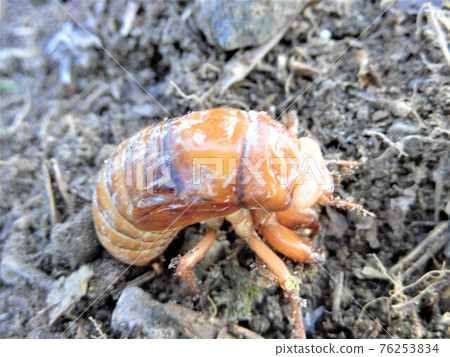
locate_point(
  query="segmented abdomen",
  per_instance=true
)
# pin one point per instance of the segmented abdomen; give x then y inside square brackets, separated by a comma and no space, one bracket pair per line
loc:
[119,202]
[120,237]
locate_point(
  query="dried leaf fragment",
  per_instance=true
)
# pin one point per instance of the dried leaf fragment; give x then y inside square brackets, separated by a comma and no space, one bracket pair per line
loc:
[366,76]
[67,291]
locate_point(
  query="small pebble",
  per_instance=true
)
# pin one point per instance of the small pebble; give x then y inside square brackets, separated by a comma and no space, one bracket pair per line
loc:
[236,24]
[400,108]
[413,147]
[325,34]
[380,115]
[135,310]
[363,113]
[74,242]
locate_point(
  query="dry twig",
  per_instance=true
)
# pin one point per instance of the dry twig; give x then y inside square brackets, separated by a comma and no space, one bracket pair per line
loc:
[433,16]
[62,186]
[54,216]
[402,297]
[97,326]
[418,257]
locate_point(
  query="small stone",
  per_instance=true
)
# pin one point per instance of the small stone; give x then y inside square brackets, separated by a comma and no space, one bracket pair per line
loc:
[325,34]
[75,242]
[412,146]
[236,24]
[380,115]
[137,311]
[363,113]
[400,108]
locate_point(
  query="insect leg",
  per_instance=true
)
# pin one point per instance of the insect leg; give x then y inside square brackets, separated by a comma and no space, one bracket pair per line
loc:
[285,240]
[342,204]
[188,261]
[243,226]
[294,218]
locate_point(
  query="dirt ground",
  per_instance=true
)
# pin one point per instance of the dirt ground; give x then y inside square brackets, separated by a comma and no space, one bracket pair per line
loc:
[65,104]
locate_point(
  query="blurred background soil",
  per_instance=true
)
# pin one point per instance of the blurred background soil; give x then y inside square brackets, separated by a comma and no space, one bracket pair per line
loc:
[378,94]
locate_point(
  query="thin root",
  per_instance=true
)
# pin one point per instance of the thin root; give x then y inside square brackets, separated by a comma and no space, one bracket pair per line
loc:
[19,117]
[398,146]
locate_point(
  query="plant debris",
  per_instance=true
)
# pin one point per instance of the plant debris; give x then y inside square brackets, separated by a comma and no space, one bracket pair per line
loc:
[67,291]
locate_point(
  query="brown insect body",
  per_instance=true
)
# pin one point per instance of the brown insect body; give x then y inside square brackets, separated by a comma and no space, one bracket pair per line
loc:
[127,213]
[206,166]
